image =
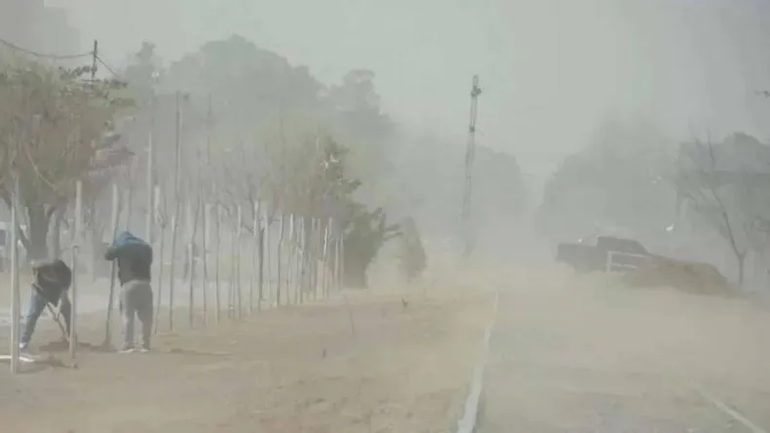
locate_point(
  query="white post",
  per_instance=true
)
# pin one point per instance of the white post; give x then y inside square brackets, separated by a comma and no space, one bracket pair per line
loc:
[159,259]
[191,222]
[237,262]
[172,270]
[206,243]
[254,270]
[150,190]
[290,261]
[266,250]
[279,250]
[324,261]
[75,249]
[217,265]
[15,304]
[113,265]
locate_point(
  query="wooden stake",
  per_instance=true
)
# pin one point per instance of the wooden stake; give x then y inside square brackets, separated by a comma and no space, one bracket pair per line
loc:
[279,259]
[75,250]
[290,261]
[218,263]
[303,259]
[237,262]
[129,202]
[325,261]
[255,252]
[113,265]
[192,223]
[206,242]
[150,188]
[160,258]
[172,273]
[15,295]
[266,249]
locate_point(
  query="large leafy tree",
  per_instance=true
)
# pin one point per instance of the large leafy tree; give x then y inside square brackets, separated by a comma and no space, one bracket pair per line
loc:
[55,131]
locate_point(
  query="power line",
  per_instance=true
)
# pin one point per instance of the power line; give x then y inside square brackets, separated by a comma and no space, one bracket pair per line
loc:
[44,56]
[106,66]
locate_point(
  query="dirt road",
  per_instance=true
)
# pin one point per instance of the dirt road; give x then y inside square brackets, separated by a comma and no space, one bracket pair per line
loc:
[576,355]
[378,362]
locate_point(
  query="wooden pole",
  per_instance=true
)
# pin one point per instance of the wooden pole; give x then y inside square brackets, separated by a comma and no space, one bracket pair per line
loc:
[129,201]
[15,295]
[237,263]
[231,279]
[206,242]
[217,267]
[290,262]
[297,268]
[160,258]
[279,259]
[266,249]
[113,265]
[303,259]
[325,261]
[261,277]
[311,257]
[172,270]
[192,222]
[150,188]
[177,203]
[255,272]
[75,250]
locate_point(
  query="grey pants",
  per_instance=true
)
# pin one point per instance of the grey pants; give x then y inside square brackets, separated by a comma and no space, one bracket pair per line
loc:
[136,299]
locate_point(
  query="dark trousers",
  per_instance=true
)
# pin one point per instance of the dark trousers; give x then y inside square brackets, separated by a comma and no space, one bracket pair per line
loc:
[136,301]
[37,304]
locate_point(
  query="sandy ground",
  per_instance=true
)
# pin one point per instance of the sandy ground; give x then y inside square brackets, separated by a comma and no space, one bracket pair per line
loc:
[383,361]
[574,354]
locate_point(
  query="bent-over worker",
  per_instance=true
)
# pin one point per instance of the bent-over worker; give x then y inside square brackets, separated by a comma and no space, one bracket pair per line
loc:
[134,258]
[52,279]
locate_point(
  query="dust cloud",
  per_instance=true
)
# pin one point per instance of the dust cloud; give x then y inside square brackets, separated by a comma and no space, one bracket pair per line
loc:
[643,121]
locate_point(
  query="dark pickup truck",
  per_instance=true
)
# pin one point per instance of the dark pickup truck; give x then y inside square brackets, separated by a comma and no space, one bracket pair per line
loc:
[590,255]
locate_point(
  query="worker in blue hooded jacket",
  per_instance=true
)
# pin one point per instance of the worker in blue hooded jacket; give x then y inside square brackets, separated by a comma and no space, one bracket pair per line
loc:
[134,258]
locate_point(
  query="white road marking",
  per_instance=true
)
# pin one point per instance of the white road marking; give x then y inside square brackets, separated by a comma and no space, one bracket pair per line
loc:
[467,424]
[730,411]
[22,358]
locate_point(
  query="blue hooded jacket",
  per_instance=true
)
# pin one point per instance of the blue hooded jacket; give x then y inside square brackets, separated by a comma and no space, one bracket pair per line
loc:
[134,257]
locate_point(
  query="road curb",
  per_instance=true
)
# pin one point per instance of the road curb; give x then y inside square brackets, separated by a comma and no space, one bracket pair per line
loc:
[469,421]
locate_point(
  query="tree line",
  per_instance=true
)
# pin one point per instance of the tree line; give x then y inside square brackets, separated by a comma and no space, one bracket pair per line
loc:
[230,123]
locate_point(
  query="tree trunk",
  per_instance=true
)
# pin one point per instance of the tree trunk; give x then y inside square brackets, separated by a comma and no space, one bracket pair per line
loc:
[37,232]
[56,235]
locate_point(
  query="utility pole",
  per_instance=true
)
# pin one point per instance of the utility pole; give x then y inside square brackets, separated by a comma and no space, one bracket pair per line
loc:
[94,58]
[470,155]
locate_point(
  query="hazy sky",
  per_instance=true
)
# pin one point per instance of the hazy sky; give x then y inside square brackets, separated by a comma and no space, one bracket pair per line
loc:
[550,69]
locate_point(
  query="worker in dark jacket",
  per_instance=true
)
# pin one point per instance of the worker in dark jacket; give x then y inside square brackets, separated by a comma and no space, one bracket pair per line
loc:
[134,258]
[52,279]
